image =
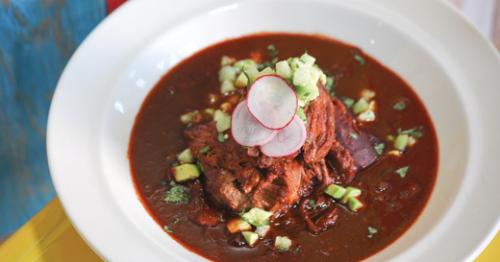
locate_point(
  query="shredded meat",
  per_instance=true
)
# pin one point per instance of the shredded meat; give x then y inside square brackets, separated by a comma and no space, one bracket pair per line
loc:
[239,178]
[320,127]
[318,213]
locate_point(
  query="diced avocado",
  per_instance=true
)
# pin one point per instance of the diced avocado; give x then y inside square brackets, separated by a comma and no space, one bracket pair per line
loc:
[227,73]
[252,73]
[283,69]
[185,156]
[257,217]
[307,59]
[335,191]
[354,204]
[401,142]
[351,192]
[238,225]
[241,81]
[222,121]
[250,237]
[263,230]
[295,63]
[360,106]
[185,172]
[226,87]
[282,243]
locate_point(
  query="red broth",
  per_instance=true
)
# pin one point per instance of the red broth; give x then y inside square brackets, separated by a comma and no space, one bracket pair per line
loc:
[393,203]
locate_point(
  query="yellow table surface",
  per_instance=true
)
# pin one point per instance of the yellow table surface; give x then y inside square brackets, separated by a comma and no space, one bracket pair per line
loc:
[49,236]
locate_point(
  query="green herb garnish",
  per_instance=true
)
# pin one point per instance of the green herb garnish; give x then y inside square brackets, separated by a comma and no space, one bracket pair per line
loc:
[311,203]
[204,150]
[402,171]
[177,194]
[329,85]
[379,148]
[353,136]
[400,106]
[372,231]
[359,58]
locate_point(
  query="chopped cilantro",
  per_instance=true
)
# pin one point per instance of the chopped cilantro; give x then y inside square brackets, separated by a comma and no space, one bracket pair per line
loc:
[416,132]
[372,231]
[311,203]
[348,102]
[296,250]
[402,171]
[379,148]
[177,194]
[400,106]
[220,137]
[167,229]
[359,58]
[204,150]
[353,136]
[272,51]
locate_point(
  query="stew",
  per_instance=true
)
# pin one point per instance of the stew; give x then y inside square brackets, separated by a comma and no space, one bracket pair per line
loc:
[360,179]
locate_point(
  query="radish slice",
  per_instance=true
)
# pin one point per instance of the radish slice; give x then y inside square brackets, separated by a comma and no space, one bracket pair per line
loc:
[272,101]
[287,141]
[247,130]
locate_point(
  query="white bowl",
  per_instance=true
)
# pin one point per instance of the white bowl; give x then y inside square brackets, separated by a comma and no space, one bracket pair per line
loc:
[452,68]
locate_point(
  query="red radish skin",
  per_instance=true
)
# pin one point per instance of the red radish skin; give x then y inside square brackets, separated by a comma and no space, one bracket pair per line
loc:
[288,140]
[246,130]
[274,110]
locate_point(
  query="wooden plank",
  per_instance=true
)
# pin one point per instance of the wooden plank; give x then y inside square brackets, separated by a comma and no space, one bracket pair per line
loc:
[36,40]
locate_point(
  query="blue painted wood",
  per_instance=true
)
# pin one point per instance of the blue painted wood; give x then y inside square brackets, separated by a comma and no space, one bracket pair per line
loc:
[37,37]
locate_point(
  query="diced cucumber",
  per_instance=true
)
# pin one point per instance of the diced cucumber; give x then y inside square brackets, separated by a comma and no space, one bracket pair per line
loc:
[307,59]
[367,94]
[263,230]
[282,243]
[401,142]
[241,65]
[226,87]
[367,116]
[335,191]
[302,77]
[185,156]
[322,78]
[227,73]
[265,71]
[257,217]
[226,60]
[185,172]
[354,204]
[222,121]
[351,192]
[252,73]
[189,117]
[238,225]
[301,114]
[241,81]
[283,69]
[360,106]
[250,237]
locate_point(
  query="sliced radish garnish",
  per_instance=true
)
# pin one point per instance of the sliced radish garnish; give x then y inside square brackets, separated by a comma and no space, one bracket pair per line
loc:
[287,141]
[247,130]
[272,101]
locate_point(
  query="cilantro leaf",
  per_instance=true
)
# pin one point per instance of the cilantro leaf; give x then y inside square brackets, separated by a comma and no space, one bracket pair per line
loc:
[402,171]
[177,194]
